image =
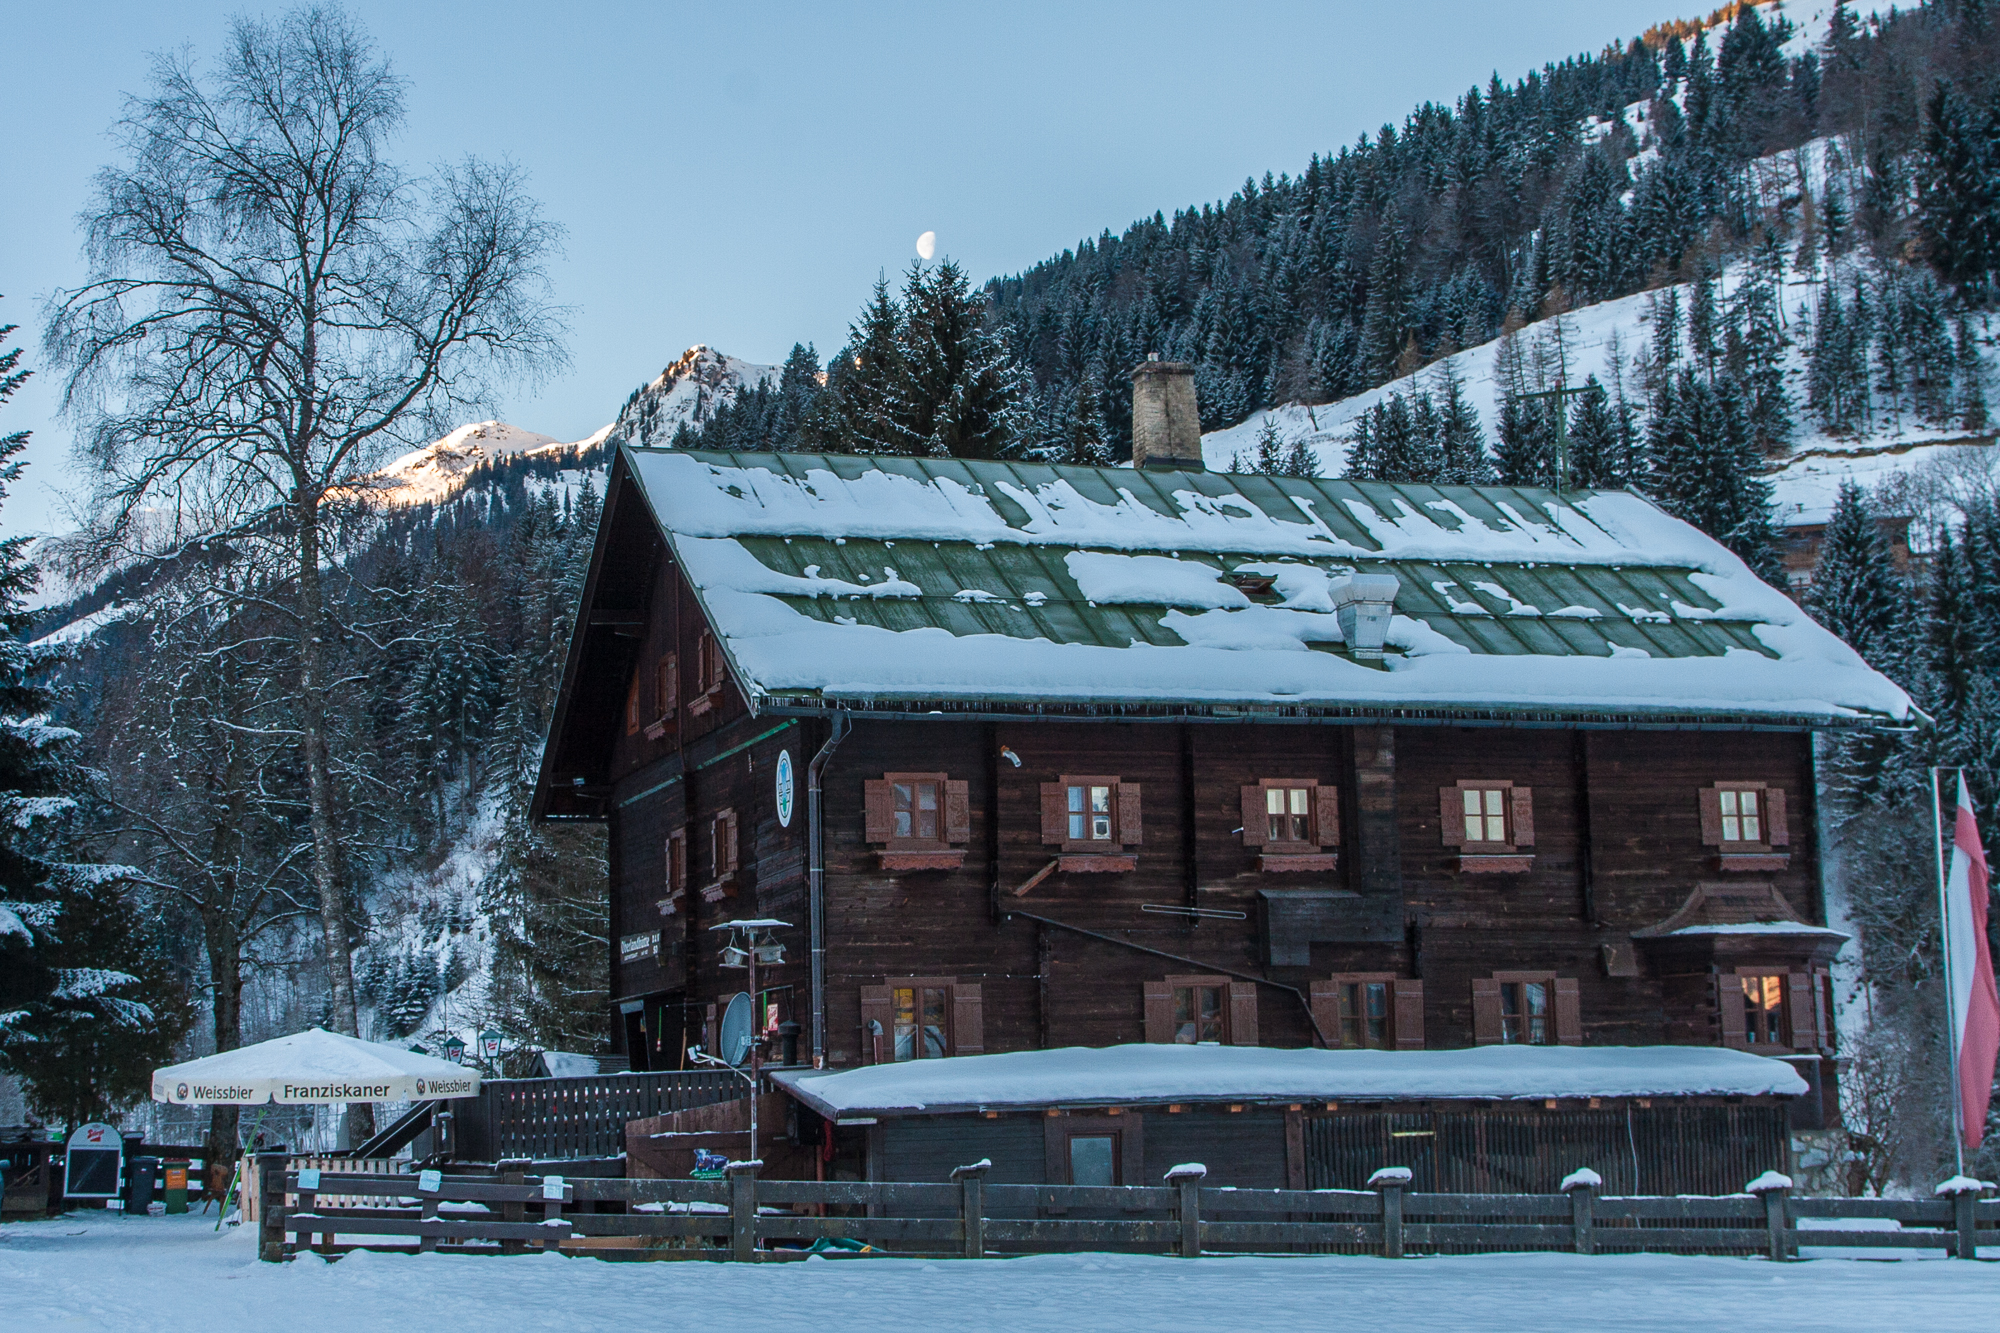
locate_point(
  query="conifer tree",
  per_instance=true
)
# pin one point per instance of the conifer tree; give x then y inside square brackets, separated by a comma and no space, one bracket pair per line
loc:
[870,371]
[1855,591]
[1594,443]
[1526,452]
[959,395]
[1702,466]
[1461,444]
[1969,375]
[1958,209]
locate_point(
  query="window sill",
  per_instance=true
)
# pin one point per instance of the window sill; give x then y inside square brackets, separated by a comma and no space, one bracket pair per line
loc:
[1280,862]
[655,730]
[1096,863]
[716,892]
[1486,863]
[939,859]
[1753,860]
[702,703]
[672,902]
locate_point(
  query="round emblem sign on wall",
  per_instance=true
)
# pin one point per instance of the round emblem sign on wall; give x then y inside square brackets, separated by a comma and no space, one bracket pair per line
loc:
[785,789]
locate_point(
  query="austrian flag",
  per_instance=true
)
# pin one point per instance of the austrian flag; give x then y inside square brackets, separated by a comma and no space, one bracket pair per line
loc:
[1975,1014]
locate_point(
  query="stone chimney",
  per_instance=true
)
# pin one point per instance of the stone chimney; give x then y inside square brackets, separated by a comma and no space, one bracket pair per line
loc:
[1166,428]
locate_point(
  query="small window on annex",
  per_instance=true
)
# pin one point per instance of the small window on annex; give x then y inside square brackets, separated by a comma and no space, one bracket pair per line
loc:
[920,1018]
[1201,1014]
[1763,1010]
[1524,1013]
[1093,1159]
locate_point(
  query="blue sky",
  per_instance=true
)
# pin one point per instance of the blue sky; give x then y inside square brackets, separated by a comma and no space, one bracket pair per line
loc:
[737,174]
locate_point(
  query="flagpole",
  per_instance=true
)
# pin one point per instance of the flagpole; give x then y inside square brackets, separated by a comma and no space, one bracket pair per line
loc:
[1944,944]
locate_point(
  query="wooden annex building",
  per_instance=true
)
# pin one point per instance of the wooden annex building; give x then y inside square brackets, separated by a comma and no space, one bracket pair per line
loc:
[1034,756]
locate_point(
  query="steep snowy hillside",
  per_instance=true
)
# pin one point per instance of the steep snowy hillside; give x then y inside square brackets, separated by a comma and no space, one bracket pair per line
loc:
[435,472]
[687,392]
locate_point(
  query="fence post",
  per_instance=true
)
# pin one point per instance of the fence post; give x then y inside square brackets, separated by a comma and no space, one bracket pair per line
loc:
[1187,1177]
[270,1169]
[743,1210]
[1581,1186]
[1964,1192]
[971,1205]
[1390,1182]
[514,1171]
[1774,1189]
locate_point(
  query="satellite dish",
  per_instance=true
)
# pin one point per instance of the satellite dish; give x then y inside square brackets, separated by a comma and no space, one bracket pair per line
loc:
[737,1029]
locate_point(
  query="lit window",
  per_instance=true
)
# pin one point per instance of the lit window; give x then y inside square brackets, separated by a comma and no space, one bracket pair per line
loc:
[920,1022]
[1364,1014]
[916,810]
[1740,820]
[1763,1009]
[1198,1014]
[1524,1013]
[1485,814]
[1090,814]
[1285,811]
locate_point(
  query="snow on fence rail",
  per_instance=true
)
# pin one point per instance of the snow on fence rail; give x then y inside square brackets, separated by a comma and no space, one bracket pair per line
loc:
[747,1218]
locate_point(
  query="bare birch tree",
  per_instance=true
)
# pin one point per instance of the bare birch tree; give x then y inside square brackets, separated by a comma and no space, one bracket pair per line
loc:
[271,306]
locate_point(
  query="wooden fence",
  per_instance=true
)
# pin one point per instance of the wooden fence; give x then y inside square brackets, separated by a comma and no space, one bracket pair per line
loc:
[549,1118]
[745,1218]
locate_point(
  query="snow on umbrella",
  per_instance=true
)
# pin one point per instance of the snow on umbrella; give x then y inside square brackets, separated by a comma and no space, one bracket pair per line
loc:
[312,1068]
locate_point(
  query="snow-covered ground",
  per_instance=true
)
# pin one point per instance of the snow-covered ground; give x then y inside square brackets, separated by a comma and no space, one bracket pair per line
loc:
[98,1271]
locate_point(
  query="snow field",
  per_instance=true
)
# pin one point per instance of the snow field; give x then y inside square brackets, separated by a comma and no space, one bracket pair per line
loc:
[91,1271]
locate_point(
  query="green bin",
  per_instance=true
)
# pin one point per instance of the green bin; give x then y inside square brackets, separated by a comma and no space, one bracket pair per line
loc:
[176,1192]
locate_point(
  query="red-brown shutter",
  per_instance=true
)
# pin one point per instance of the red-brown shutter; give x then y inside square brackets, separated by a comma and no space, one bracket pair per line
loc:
[1326,816]
[1711,817]
[957,812]
[1159,1012]
[729,840]
[1729,1007]
[1800,1010]
[879,810]
[1523,799]
[632,706]
[1055,812]
[1451,811]
[1130,829]
[670,684]
[1777,831]
[1569,1013]
[1409,1014]
[1255,826]
[968,1021]
[878,1017]
[1485,1011]
[1326,1011]
[677,861]
[1242,1013]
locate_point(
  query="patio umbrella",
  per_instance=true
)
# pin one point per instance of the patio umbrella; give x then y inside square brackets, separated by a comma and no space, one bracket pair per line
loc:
[312,1068]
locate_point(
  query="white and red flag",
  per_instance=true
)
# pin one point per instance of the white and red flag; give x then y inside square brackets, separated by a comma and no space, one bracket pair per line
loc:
[1975,1019]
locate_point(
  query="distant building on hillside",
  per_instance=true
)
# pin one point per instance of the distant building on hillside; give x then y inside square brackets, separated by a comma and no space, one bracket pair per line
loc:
[1799,543]
[1034,756]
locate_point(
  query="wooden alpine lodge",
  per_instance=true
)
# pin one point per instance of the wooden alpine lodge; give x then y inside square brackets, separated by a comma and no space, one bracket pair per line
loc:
[1121,817]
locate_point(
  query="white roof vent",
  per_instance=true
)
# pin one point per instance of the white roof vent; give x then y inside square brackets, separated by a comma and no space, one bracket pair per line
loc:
[1363,603]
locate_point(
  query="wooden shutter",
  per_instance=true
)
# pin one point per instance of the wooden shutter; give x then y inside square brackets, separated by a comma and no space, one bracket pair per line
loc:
[1159,1012]
[1255,825]
[1129,827]
[1242,1013]
[1055,812]
[1451,810]
[632,706]
[1711,817]
[670,685]
[1523,800]
[1802,1013]
[728,818]
[877,1009]
[879,810]
[677,861]
[1325,998]
[1485,1011]
[1729,1007]
[1569,1012]
[1777,831]
[957,812]
[968,1021]
[1408,1011]
[1326,816]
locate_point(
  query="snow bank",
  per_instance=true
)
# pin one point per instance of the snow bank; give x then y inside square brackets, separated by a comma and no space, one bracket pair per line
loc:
[1080,1075]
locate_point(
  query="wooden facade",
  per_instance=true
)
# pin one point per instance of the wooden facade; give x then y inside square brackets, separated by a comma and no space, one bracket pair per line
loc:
[1079,877]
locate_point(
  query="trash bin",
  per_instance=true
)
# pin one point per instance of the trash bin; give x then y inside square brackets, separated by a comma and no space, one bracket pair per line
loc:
[175,1181]
[140,1173]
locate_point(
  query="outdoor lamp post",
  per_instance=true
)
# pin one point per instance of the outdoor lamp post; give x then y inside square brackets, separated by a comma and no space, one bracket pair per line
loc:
[454,1050]
[749,944]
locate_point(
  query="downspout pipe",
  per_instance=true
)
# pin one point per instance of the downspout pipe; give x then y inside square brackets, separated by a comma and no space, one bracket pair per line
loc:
[816,882]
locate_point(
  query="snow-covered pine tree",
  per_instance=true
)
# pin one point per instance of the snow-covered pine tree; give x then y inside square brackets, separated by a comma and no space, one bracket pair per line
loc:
[868,376]
[1526,452]
[1837,367]
[1969,379]
[1756,358]
[1460,445]
[1702,467]
[1855,591]
[959,395]
[1958,202]
[88,1006]
[1594,445]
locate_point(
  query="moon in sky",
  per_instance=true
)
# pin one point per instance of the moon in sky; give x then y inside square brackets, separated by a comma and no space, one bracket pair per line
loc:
[927,245]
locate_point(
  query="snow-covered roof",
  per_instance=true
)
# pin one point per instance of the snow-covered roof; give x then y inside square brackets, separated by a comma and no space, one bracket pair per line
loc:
[921,583]
[1148,1073]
